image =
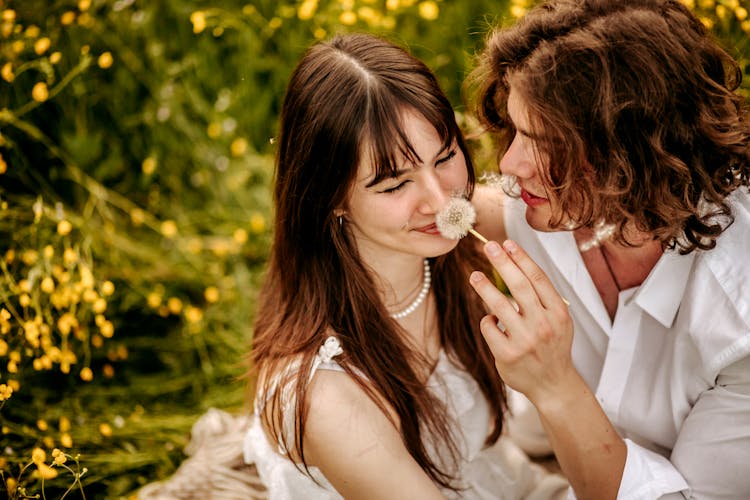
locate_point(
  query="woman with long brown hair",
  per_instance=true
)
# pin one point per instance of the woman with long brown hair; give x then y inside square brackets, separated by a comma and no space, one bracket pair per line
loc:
[373,377]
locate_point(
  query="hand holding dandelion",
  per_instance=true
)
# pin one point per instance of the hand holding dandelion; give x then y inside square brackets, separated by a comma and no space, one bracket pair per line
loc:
[456,219]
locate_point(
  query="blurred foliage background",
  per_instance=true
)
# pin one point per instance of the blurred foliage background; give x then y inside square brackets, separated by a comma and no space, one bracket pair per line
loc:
[135,168]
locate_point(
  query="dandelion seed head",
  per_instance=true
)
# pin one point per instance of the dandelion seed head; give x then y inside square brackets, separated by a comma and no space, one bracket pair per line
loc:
[456,218]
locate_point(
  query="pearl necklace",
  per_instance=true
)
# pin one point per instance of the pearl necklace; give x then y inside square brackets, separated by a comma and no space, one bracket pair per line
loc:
[427,277]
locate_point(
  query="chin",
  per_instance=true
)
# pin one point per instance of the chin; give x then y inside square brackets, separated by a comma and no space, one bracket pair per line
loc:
[538,221]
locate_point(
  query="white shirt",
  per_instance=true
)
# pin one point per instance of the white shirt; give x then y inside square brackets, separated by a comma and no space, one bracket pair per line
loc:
[672,371]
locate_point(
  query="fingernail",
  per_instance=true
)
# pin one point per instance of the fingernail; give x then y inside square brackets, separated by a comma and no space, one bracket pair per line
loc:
[510,246]
[475,277]
[492,248]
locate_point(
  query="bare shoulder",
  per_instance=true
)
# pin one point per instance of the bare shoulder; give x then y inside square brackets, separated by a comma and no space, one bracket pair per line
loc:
[489,201]
[357,445]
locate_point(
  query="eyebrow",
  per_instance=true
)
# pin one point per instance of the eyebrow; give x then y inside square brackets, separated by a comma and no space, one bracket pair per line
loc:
[402,171]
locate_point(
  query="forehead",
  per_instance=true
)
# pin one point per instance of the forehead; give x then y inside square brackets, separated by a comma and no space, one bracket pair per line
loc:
[517,111]
[422,143]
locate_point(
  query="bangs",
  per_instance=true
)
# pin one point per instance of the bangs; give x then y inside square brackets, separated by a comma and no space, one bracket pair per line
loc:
[389,147]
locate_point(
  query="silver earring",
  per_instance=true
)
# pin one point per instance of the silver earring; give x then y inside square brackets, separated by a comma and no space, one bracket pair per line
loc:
[341,220]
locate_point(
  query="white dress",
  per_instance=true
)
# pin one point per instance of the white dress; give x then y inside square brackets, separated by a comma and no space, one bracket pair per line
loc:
[501,471]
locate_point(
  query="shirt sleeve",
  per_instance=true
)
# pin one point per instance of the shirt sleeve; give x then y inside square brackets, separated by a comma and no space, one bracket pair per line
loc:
[710,457]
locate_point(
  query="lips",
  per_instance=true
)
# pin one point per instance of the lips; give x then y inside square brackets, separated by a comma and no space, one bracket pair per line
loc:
[428,229]
[532,200]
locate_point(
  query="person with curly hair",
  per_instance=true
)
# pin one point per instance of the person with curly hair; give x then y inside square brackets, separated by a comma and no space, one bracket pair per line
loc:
[625,239]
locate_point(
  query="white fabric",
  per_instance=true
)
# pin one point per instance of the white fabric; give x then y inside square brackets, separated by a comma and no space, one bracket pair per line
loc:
[672,371]
[499,472]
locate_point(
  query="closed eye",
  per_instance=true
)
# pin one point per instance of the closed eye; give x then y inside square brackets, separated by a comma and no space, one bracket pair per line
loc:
[395,188]
[446,158]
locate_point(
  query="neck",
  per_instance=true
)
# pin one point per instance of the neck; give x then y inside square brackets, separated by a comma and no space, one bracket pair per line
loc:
[630,266]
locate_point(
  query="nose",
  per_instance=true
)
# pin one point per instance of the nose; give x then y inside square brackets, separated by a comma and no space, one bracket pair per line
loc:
[517,160]
[435,195]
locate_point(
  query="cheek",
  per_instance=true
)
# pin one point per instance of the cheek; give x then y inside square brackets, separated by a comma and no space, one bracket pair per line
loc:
[456,177]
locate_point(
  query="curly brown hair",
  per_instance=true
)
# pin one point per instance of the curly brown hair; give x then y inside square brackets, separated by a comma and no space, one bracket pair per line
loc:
[634,104]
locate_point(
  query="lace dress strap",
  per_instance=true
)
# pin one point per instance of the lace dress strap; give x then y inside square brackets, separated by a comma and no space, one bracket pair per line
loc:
[324,359]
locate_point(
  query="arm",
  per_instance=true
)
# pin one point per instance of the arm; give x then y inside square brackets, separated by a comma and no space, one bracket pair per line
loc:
[356,446]
[532,355]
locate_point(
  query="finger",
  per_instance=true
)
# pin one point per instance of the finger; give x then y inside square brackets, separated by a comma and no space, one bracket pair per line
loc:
[545,290]
[498,303]
[497,340]
[517,282]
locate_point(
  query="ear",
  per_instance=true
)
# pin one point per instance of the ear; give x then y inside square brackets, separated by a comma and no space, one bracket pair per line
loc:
[338,212]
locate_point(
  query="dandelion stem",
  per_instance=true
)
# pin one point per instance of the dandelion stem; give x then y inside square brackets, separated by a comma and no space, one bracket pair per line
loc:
[478,235]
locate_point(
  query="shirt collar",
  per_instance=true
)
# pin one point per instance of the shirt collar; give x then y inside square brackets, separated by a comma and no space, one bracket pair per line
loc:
[661,293]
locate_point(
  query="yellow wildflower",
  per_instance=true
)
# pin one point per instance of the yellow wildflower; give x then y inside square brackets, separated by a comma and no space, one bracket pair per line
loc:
[105,429]
[198,18]
[105,60]
[108,371]
[29,257]
[48,251]
[3,347]
[47,285]
[68,18]
[9,15]
[67,322]
[45,471]
[193,314]
[97,341]
[5,392]
[11,485]
[238,147]
[64,424]
[7,72]
[319,33]
[42,45]
[428,10]
[39,92]
[690,4]
[275,23]
[84,5]
[391,4]
[107,329]
[66,440]
[307,9]
[517,11]
[100,305]
[48,441]
[38,456]
[169,228]
[149,165]
[240,236]
[108,288]
[153,300]
[257,223]
[64,227]
[42,426]
[706,4]
[213,130]
[211,294]
[18,46]
[137,216]
[55,57]
[59,457]
[174,305]
[87,375]
[3,165]
[740,13]
[24,300]
[348,18]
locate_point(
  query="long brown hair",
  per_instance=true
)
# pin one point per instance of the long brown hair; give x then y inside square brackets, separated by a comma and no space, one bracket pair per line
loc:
[634,106]
[343,93]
